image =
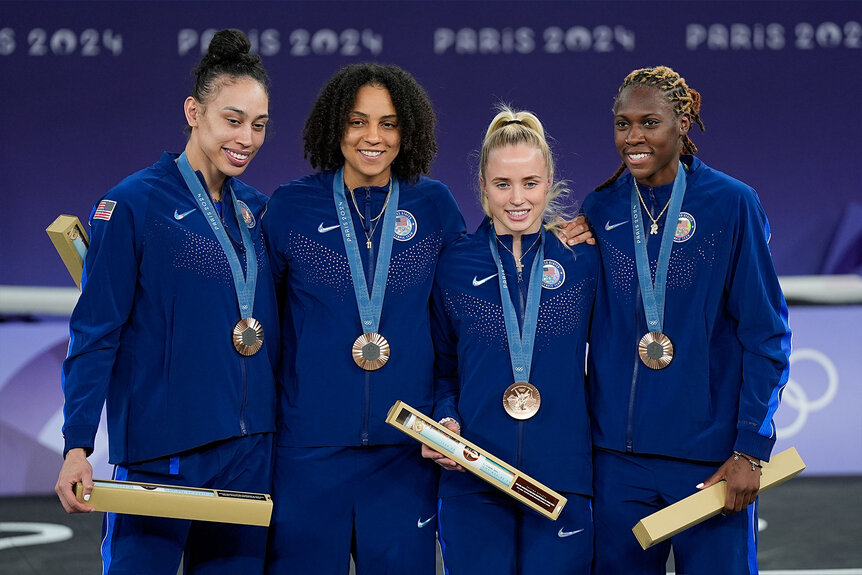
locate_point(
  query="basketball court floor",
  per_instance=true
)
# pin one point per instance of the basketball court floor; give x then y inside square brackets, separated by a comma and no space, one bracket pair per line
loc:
[811,526]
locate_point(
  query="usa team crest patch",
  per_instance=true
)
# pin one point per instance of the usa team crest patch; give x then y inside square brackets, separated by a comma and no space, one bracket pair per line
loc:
[105,210]
[246,214]
[685,227]
[553,274]
[405,225]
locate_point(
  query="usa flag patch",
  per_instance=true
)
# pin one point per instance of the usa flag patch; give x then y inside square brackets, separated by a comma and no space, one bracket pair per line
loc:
[105,210]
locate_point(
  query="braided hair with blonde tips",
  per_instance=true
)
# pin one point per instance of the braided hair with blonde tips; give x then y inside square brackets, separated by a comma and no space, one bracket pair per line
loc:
[512,127]
[682,98]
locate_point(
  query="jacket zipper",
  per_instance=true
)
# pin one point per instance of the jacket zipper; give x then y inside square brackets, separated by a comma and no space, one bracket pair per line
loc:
[523,304]
[633,389]
[369,276]
[242,424]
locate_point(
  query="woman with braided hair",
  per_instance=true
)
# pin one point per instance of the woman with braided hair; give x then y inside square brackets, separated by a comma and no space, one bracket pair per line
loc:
[689,344]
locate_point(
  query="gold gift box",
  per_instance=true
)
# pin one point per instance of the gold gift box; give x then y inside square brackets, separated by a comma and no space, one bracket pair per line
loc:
[71,241]
[709,502]
[178,502]
[476,460]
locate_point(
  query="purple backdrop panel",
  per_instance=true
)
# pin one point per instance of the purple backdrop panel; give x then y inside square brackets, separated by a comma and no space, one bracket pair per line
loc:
[819,412]
[31,409]
[94,91]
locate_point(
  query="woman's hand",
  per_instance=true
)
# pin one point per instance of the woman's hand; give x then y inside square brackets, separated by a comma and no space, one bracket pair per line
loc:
[439,458]
[743,483]
[576,231]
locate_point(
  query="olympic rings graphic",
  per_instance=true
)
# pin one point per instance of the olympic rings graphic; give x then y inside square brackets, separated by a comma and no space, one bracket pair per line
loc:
[794,394]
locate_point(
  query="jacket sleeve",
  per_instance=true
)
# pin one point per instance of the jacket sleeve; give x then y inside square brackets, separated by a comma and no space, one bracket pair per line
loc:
[274,230]
[107,298]
[446,388]
[756,302]
[452,221]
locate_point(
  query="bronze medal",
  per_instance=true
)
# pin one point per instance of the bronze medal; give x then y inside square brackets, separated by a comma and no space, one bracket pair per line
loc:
[522,400]
[655,350]
[248,336]
[370,351]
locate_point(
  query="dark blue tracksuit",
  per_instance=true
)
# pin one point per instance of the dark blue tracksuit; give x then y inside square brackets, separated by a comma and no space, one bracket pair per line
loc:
[151,334]
[345,481]
[482,530]
[727,319]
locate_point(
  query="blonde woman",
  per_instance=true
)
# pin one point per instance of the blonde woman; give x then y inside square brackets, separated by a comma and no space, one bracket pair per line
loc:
[510,316]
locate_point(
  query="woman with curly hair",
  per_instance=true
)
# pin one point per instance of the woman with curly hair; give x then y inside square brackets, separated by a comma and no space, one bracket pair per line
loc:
[354,249]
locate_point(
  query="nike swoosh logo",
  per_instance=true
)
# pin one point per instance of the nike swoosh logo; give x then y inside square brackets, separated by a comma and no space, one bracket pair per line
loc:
[420,524]
[178,216]
[477,282]
[567,533]
[323,230]
[609,227]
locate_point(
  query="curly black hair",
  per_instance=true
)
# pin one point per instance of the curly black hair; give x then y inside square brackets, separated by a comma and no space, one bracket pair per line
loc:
[327,122]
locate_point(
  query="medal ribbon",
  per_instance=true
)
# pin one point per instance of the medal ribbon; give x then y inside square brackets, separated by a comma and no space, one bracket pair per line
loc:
[370,306]
[521,341]
[243,284]
[653,294]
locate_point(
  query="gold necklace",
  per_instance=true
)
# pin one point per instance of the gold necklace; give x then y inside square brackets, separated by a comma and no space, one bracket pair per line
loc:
[375,219]
[653,229]
[518,265]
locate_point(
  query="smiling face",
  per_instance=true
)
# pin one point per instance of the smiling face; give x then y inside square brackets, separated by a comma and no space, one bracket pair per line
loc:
[371,138]
[515,185]
[227,130]
[647,135]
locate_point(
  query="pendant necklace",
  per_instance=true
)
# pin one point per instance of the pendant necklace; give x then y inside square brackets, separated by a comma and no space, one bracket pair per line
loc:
[518,264]
[653,229]
[375,219]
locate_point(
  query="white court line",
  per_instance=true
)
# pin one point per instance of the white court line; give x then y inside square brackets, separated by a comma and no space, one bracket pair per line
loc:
[36,534]
[852,571]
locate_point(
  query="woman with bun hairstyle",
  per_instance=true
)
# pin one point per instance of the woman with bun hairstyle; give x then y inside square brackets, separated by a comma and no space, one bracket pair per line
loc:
[689,348]
[511,311]
[177,329]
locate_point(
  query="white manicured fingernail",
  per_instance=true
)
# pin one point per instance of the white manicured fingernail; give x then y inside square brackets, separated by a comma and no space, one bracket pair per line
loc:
[699,486]
[87,497]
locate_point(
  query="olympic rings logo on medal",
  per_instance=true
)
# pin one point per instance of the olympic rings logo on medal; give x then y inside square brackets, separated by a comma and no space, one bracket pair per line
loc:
[685,227]
[246,214]
[795,396]
[553,274]
[405,226]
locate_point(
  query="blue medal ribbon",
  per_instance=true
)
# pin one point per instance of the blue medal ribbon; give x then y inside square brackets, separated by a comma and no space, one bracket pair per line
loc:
[370,306]
[244,284]
[521,340]
[653,294]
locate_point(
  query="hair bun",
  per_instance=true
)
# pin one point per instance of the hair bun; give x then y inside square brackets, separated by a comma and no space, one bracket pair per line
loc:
[229,54]
[228,45]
